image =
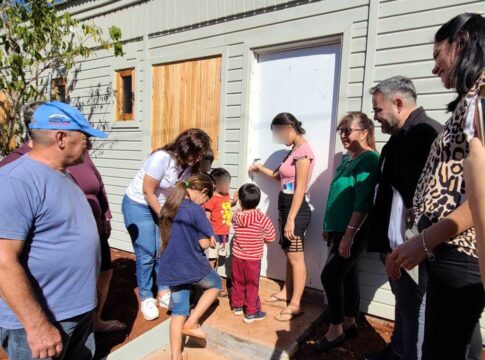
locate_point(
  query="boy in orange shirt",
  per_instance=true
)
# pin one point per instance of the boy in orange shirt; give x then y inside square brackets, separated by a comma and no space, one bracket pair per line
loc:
[219,212]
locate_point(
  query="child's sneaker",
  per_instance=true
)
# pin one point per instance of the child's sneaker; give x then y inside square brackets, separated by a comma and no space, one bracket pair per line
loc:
[238,311]
[165,301]
[149,309]
[260,315]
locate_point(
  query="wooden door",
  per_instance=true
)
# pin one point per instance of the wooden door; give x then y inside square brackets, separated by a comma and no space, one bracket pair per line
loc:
[186,95]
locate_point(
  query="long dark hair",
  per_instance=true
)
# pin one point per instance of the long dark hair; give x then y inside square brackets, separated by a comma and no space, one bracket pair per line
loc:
[467,33]
[363,122]
[188,144]
[285,118]
[198,182]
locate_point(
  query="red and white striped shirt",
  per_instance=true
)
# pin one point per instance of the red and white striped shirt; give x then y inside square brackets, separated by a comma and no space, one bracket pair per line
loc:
[253,229]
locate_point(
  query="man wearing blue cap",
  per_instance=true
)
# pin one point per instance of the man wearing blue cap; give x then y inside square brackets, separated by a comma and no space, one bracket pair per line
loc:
[49,245]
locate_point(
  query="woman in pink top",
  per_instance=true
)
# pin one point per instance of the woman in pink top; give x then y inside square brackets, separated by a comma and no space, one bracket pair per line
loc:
[294,174]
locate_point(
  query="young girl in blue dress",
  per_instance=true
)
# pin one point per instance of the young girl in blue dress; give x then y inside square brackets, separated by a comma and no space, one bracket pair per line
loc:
[186,233]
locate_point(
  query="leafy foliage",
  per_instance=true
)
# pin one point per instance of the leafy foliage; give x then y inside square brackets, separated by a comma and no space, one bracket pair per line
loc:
[36,39]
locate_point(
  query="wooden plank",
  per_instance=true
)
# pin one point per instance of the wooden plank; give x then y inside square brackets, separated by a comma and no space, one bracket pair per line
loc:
[186,95]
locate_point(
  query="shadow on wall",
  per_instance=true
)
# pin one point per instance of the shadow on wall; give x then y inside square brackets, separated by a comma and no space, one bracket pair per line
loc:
[97,106]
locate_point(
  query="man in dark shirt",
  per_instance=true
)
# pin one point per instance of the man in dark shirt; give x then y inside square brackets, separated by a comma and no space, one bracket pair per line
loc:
[401,163]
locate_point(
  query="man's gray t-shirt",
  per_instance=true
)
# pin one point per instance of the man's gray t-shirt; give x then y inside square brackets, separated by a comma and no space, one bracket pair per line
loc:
[61,255]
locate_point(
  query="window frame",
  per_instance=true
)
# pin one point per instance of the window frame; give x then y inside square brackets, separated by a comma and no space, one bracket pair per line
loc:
[55,85]
[119,94]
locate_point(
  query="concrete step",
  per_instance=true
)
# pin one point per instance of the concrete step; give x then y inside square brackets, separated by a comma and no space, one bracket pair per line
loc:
[194,353]
[266,339]
[230,338]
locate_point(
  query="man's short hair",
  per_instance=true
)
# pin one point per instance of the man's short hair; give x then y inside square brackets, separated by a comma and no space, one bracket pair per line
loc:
[395,84]
[250,196]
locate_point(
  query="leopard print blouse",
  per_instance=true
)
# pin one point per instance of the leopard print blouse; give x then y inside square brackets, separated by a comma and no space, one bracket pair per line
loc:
[441,187]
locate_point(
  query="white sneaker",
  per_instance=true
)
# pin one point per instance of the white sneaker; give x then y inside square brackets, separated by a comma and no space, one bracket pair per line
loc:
[165,301]
[149,309]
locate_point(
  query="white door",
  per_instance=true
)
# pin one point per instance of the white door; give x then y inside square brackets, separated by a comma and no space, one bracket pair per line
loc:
[303,82]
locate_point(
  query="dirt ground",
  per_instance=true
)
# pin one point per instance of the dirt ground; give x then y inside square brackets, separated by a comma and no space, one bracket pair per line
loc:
[122,304]
[374,333]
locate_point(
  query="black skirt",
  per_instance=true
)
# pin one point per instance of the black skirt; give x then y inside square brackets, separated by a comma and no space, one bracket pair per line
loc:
[302,220]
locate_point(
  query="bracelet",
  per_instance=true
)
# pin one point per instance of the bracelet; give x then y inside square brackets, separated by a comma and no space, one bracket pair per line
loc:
[353,228]
[429,254]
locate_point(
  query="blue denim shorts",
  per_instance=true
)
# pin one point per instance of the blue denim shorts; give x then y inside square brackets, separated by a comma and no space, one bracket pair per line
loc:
[181,293]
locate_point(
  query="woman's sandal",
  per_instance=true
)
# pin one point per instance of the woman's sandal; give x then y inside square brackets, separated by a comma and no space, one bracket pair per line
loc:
[223,293]
[195,332]
[273,299]
[286,316]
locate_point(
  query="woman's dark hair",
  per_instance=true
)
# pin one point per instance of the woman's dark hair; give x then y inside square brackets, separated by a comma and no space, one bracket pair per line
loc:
[467,33]
[189,144]
[363,122]
[250,196]
[285,118]
[219,173]
[199,182]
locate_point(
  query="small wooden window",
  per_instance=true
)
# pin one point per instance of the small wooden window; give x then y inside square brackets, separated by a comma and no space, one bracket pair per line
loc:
[125,94]
[59,90]
[3,107]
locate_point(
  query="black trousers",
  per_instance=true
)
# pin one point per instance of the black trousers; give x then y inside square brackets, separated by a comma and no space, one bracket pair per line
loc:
[409,298]
[340,280]
[454,302]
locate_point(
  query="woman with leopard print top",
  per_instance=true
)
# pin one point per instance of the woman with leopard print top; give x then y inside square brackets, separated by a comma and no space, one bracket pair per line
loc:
[455,297]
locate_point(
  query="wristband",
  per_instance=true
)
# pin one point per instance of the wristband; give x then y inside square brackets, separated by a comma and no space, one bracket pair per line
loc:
[429,254]
[353,228]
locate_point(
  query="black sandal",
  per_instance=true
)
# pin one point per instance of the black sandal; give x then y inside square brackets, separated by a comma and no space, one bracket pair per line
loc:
[324,345]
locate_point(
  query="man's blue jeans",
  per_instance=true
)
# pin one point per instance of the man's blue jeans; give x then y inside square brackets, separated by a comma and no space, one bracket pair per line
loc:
[142,224]
[77,339]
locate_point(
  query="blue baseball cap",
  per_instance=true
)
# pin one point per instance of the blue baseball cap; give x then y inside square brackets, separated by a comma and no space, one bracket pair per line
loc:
[56,115]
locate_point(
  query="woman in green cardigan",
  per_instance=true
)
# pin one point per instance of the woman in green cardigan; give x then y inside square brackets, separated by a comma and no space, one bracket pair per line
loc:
[349,200]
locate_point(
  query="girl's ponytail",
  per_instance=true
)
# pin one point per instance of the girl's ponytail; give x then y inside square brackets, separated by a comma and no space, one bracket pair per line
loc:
[172,204]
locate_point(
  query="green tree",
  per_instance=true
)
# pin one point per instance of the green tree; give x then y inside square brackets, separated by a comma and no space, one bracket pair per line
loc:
[36,39]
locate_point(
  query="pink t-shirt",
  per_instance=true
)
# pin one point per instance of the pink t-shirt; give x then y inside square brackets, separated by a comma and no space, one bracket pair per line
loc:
[287,170]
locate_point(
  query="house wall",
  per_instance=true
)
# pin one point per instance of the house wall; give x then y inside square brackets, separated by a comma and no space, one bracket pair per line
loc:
[379,39]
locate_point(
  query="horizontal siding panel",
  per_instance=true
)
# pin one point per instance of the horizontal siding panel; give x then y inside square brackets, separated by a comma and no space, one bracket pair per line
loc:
[355,90]
[358,44]
[412,70]
[235,75]
[116,172]
[232,146]
[434,17]
[415,6]
[356,75]
[357,60]
[359,29]
[407,38]
[235,63]
[234,87]
[435,101]
[119,154]
[404,54]
[233,99]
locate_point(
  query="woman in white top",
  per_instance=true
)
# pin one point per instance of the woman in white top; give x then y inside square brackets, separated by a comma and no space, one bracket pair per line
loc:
[143,201]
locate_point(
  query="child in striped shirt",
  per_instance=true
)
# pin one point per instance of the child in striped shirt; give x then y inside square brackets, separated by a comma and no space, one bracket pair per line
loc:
[253,229]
